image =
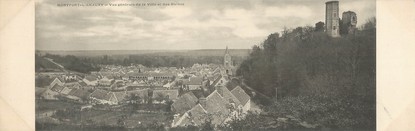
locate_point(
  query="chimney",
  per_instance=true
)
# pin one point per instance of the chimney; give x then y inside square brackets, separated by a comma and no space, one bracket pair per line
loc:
[202,101]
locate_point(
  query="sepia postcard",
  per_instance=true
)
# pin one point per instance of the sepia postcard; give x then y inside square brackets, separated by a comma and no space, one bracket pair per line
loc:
[205,65]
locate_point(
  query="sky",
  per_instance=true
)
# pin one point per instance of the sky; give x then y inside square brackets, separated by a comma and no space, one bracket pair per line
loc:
[198,24]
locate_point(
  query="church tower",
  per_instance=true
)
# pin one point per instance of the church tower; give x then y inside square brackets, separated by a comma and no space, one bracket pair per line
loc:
[227,62]
[332,18]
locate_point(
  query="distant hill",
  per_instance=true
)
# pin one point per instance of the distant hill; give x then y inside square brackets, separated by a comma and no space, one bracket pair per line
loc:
[42,64]
[202,52]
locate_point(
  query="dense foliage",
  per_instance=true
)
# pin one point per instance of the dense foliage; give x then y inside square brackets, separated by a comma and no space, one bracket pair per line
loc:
[69,62]
[319,79]
[154,60]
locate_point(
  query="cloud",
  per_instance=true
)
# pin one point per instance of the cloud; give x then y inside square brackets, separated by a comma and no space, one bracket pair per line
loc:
[198,24]
[364,9]
[289,11]
[177,12]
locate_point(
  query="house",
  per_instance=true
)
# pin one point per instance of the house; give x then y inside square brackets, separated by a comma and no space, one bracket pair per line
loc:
[70,77]
[216,106]
[220,106]
[168,85]
[79,94]
[105,81]
[101,97]
[117,84]
[141,93]
[228,96]
[150,76]
[160,95]
[91,80]
[212,107]
[118,97]
[57,88]
[219,81]
[56,80]
[196,116]
[65,90]
[184,103]
[83,84]
[244,98]
[194,83]
[72,85]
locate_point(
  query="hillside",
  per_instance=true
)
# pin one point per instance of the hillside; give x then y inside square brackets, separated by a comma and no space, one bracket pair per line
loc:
[44,65]
[330,82]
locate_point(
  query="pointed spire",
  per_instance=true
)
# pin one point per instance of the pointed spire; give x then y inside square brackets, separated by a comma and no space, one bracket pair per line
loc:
[226,51]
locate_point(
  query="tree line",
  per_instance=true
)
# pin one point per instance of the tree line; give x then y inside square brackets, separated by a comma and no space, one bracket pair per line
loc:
[88,64]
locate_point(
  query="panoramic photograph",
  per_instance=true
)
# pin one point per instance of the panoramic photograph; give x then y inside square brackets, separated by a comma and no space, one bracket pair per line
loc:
[205,65]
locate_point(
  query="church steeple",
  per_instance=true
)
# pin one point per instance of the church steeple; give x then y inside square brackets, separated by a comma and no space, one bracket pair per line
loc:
[227,62]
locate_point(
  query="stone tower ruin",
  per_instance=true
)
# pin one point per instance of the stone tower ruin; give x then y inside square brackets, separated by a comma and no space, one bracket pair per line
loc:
[349,22]
[332,18]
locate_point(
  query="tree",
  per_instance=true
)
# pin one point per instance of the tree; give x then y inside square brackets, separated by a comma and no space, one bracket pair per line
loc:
[319,26]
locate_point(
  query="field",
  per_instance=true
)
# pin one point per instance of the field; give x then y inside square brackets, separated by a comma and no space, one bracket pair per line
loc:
[48,105]
[115,118]
[97,116]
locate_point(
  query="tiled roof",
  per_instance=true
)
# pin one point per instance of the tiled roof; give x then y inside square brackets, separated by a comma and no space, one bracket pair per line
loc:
[120,96]
[150,74]
[239,93]
[173,94]
[91,77]
[100,94]
[197,114]
[140,93]
[217,107]
[81,93]
[57,88]
[227,95]
[216,80]
[193,81]
[71,84]
[131,87]
[82,83]
[66,90]
[184,103]
[199,93]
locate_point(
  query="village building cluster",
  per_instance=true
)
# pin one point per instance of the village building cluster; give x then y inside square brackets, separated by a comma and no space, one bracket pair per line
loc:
[197,93]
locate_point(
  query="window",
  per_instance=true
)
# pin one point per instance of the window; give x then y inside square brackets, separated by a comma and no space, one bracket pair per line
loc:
[334,14]
[334,27]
